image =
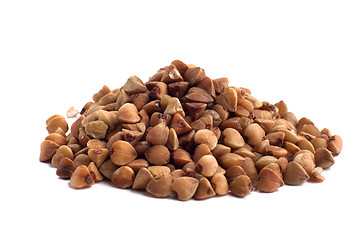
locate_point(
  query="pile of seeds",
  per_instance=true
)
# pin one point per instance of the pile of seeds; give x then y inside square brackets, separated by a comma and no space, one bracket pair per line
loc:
[186,135]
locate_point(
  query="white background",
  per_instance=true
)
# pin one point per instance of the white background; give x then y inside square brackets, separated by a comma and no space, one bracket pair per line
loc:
[56,54]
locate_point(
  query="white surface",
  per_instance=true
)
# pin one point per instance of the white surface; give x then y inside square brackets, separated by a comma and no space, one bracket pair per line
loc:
[56,54]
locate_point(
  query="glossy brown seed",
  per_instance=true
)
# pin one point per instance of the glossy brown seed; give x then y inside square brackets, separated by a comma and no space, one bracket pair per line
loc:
[62,133]
[98,156]
[232,138]
[217,132]
[144,118]
[173,141]
[254,134]
[291,147]
[241,186]
[180,157]
[62,151]
[171,74]
[156,77]
[137,164]
[140,100]
[261,115]
[276,168]
[230,159]
[207,166]
[177,173]
[158,135]
[223,112]
[216,117]
[55,122]
[310,129]
[194,75]
[141,147]
[269,180]
[204,189]
[323,158]
[265,160]
[295,174]
[319,143]
[95,173]
[290,136]
[306,160]
[133,137]
[234,122]
[315,175]
[96,129]
[282,107]
[66,168]
[206,137]
[178,89]
[276,151]
[116,137]
[234,171]
[220,184]
[220,150]
[335,144]
[244,152]
[102,92]
[208,85]
[196,94]
[282,163]
[72,112]
[228,99]
[76,125]
[159,90]
[96,144]
[81,178]
[187,141]
[122,99]
[108,99]
[304,144]
[134,85]
[57,138]
[108,168]
[261,147]
[159,170]
[128,113]
[123,177]
[200,151]
[136,127]
[289,116]
[160,186]
[207,121]
[157,155]
[276,138]
[250,170]
[82,159]
[220,84]
[157,118]
[142,179]
[195,109]
[197,125]
[189,167]
[122,153]
[48,149]
[185,187]
[179,124]
[180,66]
[327,132]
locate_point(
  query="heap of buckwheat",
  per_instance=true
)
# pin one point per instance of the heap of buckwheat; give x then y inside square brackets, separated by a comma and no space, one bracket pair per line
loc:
[185,133]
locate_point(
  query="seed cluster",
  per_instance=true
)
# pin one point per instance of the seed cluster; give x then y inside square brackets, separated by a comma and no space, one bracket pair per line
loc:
[182,132]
